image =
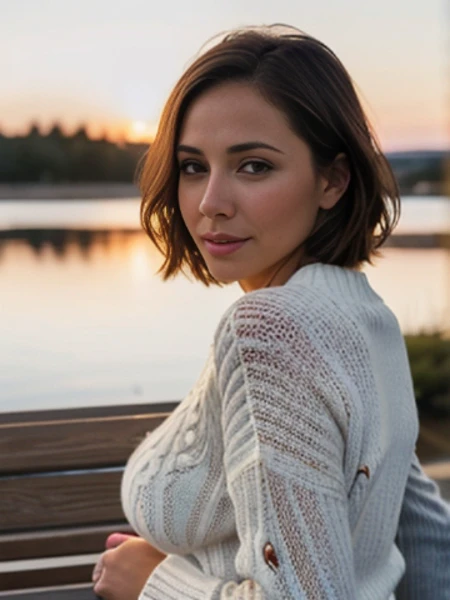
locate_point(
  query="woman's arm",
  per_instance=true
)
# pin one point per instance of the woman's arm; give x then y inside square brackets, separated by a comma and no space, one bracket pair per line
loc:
[424,540]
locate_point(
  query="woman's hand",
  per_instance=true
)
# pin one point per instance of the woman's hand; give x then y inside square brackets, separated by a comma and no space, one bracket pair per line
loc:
[121,572]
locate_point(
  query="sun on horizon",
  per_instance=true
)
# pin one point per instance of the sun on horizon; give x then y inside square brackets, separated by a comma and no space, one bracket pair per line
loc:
[140,131]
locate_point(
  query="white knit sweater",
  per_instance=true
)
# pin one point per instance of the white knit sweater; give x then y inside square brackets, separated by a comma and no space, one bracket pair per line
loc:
[282,474]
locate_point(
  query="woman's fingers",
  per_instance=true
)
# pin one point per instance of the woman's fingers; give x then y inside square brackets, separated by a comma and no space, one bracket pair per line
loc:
[98,569]
[117,538]
[123,570]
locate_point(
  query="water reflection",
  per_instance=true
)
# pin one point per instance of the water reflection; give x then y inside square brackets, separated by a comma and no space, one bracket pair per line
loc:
[86,321]
[101,328]
[415,282]
[62,241]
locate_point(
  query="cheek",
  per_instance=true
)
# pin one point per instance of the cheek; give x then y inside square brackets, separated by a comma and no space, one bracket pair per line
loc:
[287,213]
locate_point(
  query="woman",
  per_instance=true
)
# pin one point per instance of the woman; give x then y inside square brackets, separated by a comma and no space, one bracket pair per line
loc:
[289,470]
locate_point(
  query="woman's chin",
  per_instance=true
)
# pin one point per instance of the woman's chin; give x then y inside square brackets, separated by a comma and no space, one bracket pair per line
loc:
[224,279]
[224,274]
[228,273]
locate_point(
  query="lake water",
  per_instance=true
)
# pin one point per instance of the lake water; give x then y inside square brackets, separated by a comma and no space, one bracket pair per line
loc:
[85,321]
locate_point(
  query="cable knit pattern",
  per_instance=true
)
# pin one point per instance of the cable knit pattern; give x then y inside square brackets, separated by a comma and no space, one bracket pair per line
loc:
[282,474]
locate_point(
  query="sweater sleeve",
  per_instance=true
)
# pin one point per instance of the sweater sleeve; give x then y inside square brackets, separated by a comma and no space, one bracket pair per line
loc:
[284,423]
[424,540]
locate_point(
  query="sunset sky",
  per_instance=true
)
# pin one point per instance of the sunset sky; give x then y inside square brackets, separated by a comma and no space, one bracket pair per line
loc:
[110,64]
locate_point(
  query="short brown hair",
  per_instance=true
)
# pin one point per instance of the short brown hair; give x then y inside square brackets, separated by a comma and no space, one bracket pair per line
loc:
[305,80]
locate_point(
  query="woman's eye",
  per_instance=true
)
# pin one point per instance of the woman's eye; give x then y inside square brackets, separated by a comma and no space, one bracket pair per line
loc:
[255,167]
[191,167]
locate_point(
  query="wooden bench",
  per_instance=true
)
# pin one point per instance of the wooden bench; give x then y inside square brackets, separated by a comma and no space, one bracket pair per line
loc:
[60,474]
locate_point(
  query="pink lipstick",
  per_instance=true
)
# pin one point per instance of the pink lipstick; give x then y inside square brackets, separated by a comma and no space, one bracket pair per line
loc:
[223,248]
[221,244]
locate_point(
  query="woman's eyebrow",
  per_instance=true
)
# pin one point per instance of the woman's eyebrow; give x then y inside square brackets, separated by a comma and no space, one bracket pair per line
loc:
[189,149]
[232,149]
[251,146]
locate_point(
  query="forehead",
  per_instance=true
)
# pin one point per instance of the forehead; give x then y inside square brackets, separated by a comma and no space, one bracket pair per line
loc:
[232,110]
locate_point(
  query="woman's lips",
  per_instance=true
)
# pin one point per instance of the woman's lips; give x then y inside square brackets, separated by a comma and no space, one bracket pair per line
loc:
[223,248]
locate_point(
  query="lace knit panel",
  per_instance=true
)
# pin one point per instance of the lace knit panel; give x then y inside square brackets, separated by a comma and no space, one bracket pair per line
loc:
[289,432]
[296,395]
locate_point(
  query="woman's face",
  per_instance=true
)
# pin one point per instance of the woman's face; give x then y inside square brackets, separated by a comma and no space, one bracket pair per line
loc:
[248,192]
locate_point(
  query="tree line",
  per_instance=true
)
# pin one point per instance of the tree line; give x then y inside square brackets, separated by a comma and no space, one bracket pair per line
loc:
[56,157]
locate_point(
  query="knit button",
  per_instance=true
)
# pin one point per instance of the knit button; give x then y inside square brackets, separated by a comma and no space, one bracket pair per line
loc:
[364,470]
[270,557]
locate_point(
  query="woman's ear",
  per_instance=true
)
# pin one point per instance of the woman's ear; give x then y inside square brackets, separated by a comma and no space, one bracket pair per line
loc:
[335,181]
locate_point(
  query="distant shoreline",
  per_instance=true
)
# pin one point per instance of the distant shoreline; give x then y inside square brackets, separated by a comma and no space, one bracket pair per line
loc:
[49,234]
[68,191]
[95,191]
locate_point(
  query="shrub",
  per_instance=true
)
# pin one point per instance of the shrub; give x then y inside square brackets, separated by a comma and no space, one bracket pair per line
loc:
[429,356]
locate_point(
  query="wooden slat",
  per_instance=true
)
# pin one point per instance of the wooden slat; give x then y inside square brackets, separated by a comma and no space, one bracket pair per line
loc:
[46,577]
[86,412]
[80,443]
[59,542]
[70,499]
[72,592]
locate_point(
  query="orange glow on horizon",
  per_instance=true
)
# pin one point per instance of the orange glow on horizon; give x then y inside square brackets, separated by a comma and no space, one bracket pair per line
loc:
[119,131]
[394,133]
[124,131]
[141,131]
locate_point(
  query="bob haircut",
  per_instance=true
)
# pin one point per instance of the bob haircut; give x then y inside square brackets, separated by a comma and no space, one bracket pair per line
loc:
[306,81]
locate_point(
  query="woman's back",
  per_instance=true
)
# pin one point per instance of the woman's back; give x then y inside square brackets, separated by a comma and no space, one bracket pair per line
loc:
[307,402]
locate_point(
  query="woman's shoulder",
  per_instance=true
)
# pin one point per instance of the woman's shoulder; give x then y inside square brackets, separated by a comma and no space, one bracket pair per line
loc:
[329,308]
[268,309]
[315,295]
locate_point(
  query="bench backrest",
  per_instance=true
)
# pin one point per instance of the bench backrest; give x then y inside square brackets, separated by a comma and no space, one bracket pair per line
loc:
[60,474]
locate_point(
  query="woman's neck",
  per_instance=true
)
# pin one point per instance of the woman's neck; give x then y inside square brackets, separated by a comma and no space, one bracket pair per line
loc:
[279,273]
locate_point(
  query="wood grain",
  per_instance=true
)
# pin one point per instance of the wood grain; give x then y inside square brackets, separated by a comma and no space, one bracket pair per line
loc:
[69,592]
[79,443]
[47,577]
[60,475]
[59,542]
[64,414]
[72,499]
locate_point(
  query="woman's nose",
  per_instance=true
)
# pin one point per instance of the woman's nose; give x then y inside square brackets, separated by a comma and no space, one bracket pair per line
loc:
[217,198]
